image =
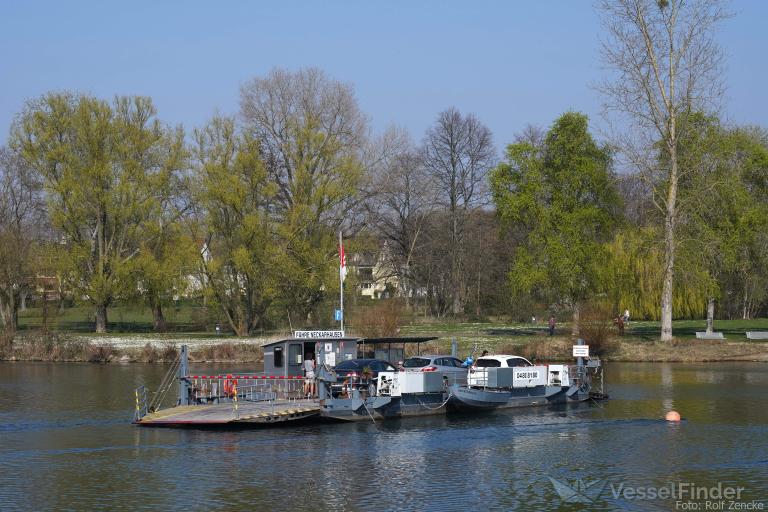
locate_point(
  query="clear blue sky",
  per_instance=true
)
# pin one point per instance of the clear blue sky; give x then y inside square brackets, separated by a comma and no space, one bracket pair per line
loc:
[510,62]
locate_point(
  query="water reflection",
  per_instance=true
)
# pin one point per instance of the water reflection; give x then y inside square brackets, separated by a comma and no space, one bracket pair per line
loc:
[66,443]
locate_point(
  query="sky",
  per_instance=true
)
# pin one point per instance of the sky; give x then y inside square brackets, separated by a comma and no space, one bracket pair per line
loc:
[511,63]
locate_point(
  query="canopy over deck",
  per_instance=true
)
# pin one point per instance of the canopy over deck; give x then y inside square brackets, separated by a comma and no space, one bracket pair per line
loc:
[390,349]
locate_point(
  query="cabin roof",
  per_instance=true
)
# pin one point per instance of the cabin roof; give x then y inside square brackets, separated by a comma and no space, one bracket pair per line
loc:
[302,340]
[359,341]
[405,339]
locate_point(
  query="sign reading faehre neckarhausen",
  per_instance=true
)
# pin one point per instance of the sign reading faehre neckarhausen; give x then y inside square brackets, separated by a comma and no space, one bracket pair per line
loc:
[314,335]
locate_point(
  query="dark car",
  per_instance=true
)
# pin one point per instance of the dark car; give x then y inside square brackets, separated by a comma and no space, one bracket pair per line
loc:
[359,373]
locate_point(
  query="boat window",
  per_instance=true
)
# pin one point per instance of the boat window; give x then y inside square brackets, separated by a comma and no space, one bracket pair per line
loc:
[278,357]
[488,363]
[294,354]
[415,362]
[517,361]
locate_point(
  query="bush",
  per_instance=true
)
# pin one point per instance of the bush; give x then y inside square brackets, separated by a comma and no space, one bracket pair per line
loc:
[149,353]
[380,320]
[595,326]
[100,353]
[169,352]
[6,345]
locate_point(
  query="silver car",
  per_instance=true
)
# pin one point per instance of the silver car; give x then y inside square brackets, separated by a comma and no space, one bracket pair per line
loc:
[447,365]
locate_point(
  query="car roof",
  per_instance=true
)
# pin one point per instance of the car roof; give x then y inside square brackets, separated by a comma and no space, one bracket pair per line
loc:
[367,360]
[431,356]
[501,357]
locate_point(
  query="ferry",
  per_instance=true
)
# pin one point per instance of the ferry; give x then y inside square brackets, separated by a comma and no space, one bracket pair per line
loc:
[280,394]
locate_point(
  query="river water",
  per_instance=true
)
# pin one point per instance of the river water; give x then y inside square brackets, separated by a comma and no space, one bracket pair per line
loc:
[66,443]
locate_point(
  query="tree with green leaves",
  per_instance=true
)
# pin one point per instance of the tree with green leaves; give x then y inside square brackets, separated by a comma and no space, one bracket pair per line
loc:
[559,200]
[233,197]
[105,168]
[726,210]
[315,150]
[666,64]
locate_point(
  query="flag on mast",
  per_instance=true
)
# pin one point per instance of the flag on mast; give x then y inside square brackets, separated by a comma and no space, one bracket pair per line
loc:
[342,260]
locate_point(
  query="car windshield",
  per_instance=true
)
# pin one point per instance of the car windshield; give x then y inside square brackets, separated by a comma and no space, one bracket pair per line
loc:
[488,363]
[415,362]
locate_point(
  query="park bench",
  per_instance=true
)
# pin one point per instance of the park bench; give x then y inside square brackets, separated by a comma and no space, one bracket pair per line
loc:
[757,335]
[704,335]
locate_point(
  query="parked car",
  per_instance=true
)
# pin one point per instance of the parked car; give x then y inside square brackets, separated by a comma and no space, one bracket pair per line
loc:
[438,363]
[352,374]
[478,375]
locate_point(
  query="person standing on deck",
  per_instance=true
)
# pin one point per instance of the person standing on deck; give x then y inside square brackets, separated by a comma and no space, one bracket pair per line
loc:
[552,325]
[309,376]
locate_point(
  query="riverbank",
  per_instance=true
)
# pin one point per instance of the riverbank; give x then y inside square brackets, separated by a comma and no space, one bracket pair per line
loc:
[62,347]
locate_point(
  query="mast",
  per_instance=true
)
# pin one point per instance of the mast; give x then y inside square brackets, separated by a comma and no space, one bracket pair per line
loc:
[342,270]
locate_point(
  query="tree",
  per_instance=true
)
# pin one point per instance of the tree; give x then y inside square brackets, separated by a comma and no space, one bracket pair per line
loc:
[233,197]
[314,144]
[21,221]
[724,216]
[104,168]
[560,199]
[667,64]
[402,201]
[458,152]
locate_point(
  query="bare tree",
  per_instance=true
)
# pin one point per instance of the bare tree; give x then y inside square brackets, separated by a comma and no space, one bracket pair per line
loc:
[667,64]
[404,197]
[21,218]
[458,152]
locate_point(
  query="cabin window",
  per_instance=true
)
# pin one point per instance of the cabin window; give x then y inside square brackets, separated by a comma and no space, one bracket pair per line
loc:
[294,354]
[278,357]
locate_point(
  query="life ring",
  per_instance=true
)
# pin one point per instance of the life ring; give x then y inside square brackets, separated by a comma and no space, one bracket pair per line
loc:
[230,385]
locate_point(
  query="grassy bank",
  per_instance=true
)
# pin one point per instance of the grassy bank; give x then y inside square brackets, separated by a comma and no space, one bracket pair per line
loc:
[57,347]
[640,343]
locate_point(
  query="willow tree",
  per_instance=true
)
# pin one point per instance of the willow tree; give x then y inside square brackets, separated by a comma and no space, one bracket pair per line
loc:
[666,64]
[104,167]
[233,196]
[560,200]
[313,139]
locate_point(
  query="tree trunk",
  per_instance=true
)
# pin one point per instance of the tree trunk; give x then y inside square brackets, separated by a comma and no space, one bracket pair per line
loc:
[23,297]
[158,320]
[9,316]
[745,310]
[576,319]
[101,318]
[669,245]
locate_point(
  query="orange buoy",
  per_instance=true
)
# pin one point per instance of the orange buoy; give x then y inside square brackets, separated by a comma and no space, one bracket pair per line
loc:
[673,416]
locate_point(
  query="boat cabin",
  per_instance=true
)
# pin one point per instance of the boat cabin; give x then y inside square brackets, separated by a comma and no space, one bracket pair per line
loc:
[286,357]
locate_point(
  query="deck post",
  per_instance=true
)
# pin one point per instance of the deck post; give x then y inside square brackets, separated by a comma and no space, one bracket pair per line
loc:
[183,372]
